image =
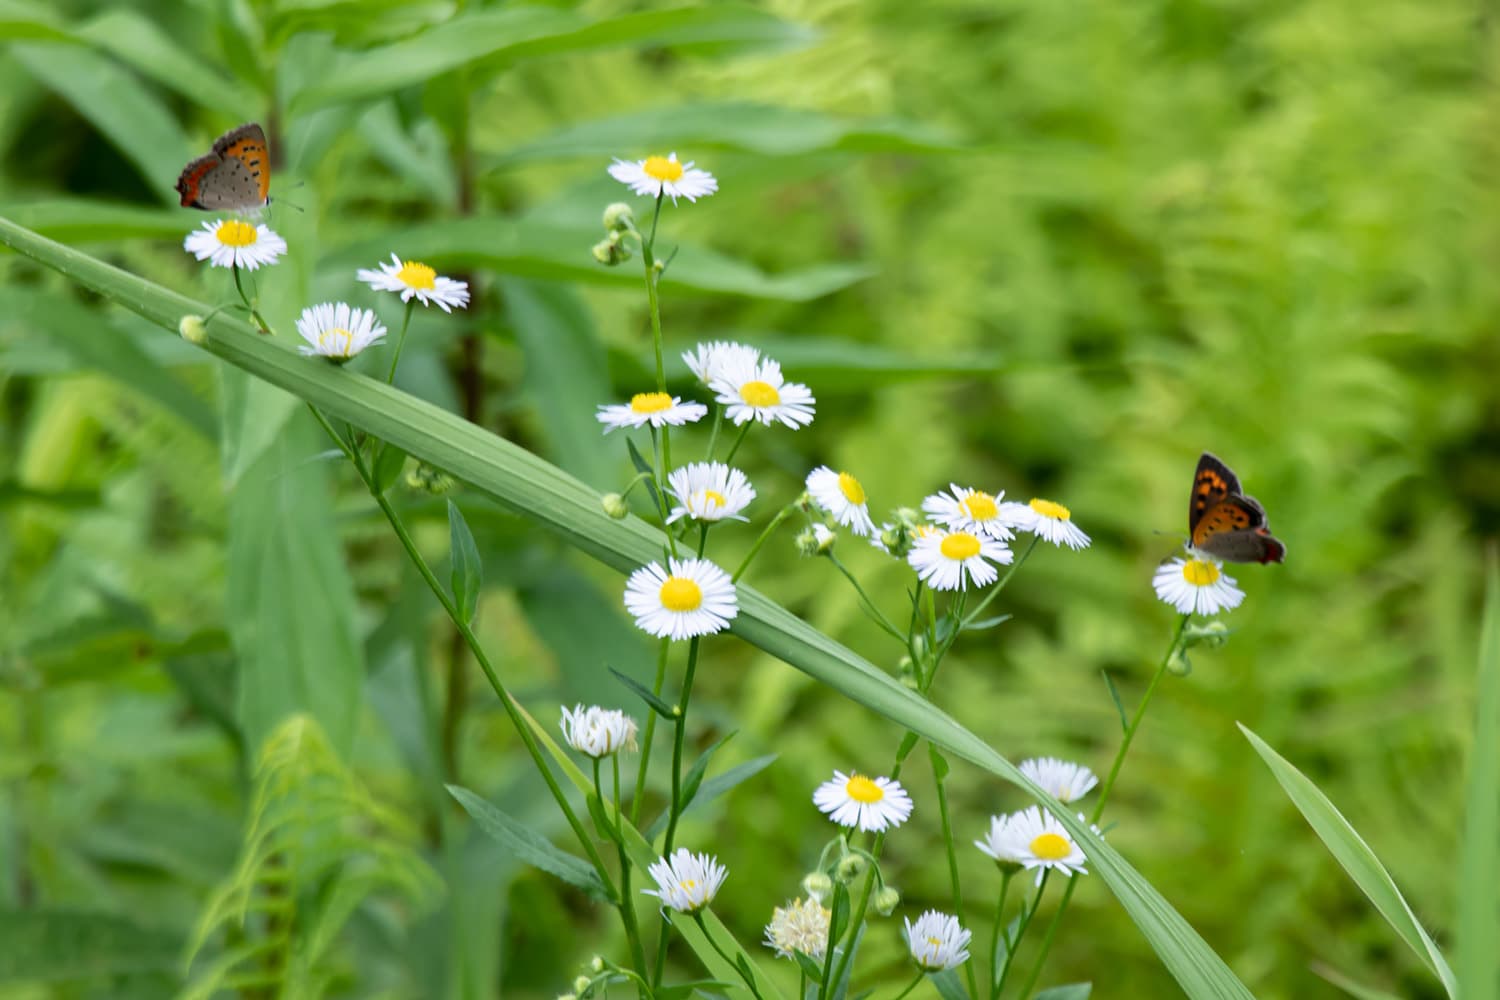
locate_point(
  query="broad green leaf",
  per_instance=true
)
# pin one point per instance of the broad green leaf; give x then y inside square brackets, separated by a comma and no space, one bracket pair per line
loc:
[761,129]
[538,250]
[1355,856]
[20,19]
[467,577]
[1478,916]
[948,985]
[145,48]
[1072,991]
[556,501]
[422,158]
[81,220]
[529,847]
[57,945]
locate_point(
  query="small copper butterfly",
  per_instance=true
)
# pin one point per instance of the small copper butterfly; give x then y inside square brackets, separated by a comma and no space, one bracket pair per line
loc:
[235,176]
[1226,524]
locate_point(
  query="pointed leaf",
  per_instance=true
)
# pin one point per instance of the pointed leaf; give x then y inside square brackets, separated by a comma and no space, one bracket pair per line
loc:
[1478,916]
[658,706]
[949,985]
[528,846]
[466,577]
[1072,991]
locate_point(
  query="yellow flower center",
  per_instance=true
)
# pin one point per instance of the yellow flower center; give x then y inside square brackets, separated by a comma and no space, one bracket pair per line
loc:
[650,402]
[979,506]
[758,393]
[849,486]
[1047,508]
[414,275]
[336,341]
[234,233]
[960,545]
[1051,847]
[862,789]
[1200,573]
[935,942]
[681,594]
[662,169]
[689,884]
[713,498]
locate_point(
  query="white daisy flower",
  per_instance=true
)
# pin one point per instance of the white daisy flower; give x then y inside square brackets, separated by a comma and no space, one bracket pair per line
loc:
[333,330]
[755,390]
[1051,522]
[1033,838]
[708,361]
[654,408]
[801,926]
[951,560]
[1196,586]
[969,510]
[853,800]
[937,941]
[1063,780]
[413,279]
[694,598]
[709,491]
[597,731]
[841,495]
[656,175]
[235,243]
[686,882]
[997,843]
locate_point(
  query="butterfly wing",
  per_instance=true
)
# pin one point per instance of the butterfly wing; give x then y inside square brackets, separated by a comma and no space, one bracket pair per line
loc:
[1245,545]
[190,181]
[236,176]
[246,145]
[1211,483]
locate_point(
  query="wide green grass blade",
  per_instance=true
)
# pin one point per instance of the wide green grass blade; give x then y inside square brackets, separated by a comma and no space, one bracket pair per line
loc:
[1351,852]
[84,220]
[140,44]
[549,497]
[43,945]
[1478,916]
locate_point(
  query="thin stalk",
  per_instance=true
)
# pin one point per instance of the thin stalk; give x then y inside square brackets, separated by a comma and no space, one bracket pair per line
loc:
[1026,914]
[678,741]
[781,515]
[254,314]
[858,916]
[958,896]
[659,454]
[869,605]
[744,431]
[999,929]
[994,591]
[911,985]
[390,377]
[627,902]
[748,980]
[638,796]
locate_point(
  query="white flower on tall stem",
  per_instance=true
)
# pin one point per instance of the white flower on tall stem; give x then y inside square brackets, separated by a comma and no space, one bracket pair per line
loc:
[686,882]
[1051,522]
[335,331]
[937,941]
[969,510]
[658,175]
[598,732]
[709,360]
[709,491]
[416,280]
[951,560]
[1196,586]
[235,243]
[691,597]
[842,496]
[871,804]
[757,391]
[1063,780]
[654,408]
[801,926]
[1034,839]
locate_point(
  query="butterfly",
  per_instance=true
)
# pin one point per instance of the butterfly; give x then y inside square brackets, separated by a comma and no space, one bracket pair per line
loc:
[235,176]
[1226,524]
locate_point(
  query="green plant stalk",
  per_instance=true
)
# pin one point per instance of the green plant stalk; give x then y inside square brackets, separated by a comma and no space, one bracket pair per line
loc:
[627,902]
[390,377]
[857,916]
[921,974]
[990,981]
[708,935]
[653,301]
[678,741]
[1027,912]
[638,795]
[832,946]
[770,529]
[264,326]
[869,605]
[739,440]
[958,894]
[994,591]
[659,455]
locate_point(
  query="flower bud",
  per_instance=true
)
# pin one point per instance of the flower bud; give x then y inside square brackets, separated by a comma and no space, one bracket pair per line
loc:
[1211,634]
[886,901]
[817,885]
[1179,665]
[581,985]
[611,250]
[424,478]
[615,506]
[849,868]
[596,964]
[193,329]
[619,218]
[816,541]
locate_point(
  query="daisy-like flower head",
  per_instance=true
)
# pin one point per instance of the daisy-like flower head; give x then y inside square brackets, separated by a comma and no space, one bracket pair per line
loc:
[997,843]
[708,361]
[937,941]
[1063,780]
[335,331]
[654,408]
[597,731]
[969,510]
[799,926]
[691,597]
[853,800]
[951,560]
[1196,586]
[709,491]
[1051,522]
[755,390]
[841,495]
[658,175]
[686,882]
[235,243]
[1033,838]
[412,279]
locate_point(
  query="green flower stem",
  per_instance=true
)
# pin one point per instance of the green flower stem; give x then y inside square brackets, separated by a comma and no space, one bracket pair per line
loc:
[869,605]
[702,538]
[1104,790]
[254,314]
[1027,912]
[679,739]
[994,591]
[511,706]
[638,796]
[749,981]
[648,259]
[921,974]
[858,916]
[713,434]
[744,431]
[659,453]
[781,515]
[832,946]
[956,615]
[627,902]
[990,981]
[954,880]
[411,305]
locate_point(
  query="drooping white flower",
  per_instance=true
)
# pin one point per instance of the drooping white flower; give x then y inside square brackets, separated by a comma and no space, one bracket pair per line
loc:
[709,360]
[597,731]
[842,496]
[1062,779]
[686,882]
[937,941]
[335,331]
[709,491]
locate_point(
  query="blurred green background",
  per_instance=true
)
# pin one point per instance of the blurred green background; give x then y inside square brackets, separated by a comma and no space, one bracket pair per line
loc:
[1055,249]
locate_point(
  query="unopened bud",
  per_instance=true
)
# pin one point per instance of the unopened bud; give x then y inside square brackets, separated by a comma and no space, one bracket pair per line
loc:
[1179,665]
[581,985]
[611,250]
[615,506]
[619,218]
[425,478]
[815,541]
[1211,634]
[597,964]
[193,329]
[886,901]
[817,885]
[849,868]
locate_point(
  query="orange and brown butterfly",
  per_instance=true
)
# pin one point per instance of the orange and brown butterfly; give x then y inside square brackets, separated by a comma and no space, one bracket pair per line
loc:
[1226,524]
[235,176]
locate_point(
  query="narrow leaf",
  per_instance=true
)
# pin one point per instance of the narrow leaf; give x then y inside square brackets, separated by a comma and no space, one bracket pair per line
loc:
[948,984]
[1348,985]
[658,706]
[534,850]
[1114,696]
[388,466]
[1072,991]
[1478,916]
[940,766]
[694,777]
[466,569]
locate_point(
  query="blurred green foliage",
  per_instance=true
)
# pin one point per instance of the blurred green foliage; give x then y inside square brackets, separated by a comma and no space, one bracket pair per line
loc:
[1055,249]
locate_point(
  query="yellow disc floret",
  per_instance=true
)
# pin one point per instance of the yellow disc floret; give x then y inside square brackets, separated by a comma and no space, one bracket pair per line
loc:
[960,545]
[681,594]
[650,402]
[1051,846]
[850,487]
[862,789]
[234,233]
[760,394]
[979,506]
[1047,508]
[414,275]
[662,169]
[1200,573]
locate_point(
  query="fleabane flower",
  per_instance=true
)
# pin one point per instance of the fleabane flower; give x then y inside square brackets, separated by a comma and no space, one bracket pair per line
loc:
[1062,779]
[937,941]
[841,495]
[801,926]
[597,731]
[335,331]
[654,408]
[1196,586]
[686,882]
[658,175]
[415,280]
[709,491]
[1034,839]
[951,560]
[1051,522]
[756,390]
[235,243]
[709,360]
[691,597]
[854,800]
[969,510]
